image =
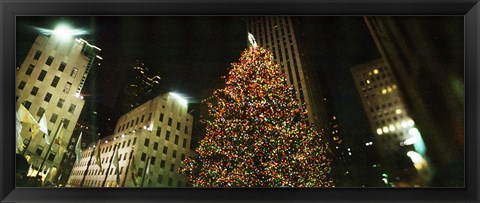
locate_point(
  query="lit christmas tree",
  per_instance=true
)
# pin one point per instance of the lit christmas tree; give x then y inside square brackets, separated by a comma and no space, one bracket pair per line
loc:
[258,133]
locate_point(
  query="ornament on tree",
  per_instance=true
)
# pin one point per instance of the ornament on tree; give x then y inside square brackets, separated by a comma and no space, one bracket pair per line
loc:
[257,134]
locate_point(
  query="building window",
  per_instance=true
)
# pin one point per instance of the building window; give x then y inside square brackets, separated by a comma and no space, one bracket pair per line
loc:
[176,139]
[155,146]
[47,97]
[74,72]
[129,142]
[21,85]
[123,145]
[30,69]
[172,167]
[159,131]
[37,55]
[34,91]
[66,122]
[186,129]
[147,141]
[184,144]
[174,155]
[161,117]
[51,156]
[125,157]
[49,60]
[162,164]
[160,179]
[54,117]
[170,181]
[183,157]
[134,141]
[165,149]
[72,108]
[39,150]
[62,66]
[178,125]
[144,156]
[150,117]
[60,103]
[42,75]
[40,111]
[67,87]
[167,135]
[55,81]
[152,160]
[169,121]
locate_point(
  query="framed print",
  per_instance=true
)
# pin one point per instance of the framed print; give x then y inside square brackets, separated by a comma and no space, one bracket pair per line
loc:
[239,101]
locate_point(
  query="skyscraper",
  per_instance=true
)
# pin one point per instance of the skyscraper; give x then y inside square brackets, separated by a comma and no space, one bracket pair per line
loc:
[278,34]
[398,141]
[141,84]
[426,53]
[50,82]
[151,140]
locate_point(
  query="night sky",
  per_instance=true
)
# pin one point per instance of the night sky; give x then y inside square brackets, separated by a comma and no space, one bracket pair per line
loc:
[192,52]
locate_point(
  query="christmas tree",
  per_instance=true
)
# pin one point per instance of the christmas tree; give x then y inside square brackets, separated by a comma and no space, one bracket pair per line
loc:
[257,134]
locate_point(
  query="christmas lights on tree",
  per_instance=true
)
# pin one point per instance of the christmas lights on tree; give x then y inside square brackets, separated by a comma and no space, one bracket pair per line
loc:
[258,134]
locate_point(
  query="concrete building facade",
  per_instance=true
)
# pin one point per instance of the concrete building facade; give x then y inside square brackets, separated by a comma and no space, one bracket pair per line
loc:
[50,81]
[152,141]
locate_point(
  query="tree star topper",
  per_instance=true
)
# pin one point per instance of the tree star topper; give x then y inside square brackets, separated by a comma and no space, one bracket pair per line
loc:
[252,40]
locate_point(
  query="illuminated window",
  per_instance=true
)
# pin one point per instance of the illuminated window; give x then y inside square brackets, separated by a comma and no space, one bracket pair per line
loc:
[398,111]
[385,129]
[67,87]
[375,71]
[384,91]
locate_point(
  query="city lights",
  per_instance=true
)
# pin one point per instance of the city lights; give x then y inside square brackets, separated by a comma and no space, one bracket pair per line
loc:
[179,98]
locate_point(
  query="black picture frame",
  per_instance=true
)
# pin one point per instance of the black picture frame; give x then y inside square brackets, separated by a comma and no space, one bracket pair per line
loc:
[11,8]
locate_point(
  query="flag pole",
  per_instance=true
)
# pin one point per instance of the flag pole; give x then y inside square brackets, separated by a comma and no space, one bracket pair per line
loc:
[88,166]
[128,167]
[50,146]
[110,164]
[26,147]
[147,163]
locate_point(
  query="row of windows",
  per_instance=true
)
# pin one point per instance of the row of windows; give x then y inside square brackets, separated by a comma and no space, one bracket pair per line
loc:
[109,149]
[54,117]
[49,61]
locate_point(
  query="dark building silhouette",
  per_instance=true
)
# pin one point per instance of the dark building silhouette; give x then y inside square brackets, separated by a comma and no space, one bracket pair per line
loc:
[142,83]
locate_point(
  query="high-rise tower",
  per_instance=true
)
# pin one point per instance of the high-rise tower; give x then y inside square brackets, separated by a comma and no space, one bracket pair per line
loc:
[50,82]
[401,146]
[142,84]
